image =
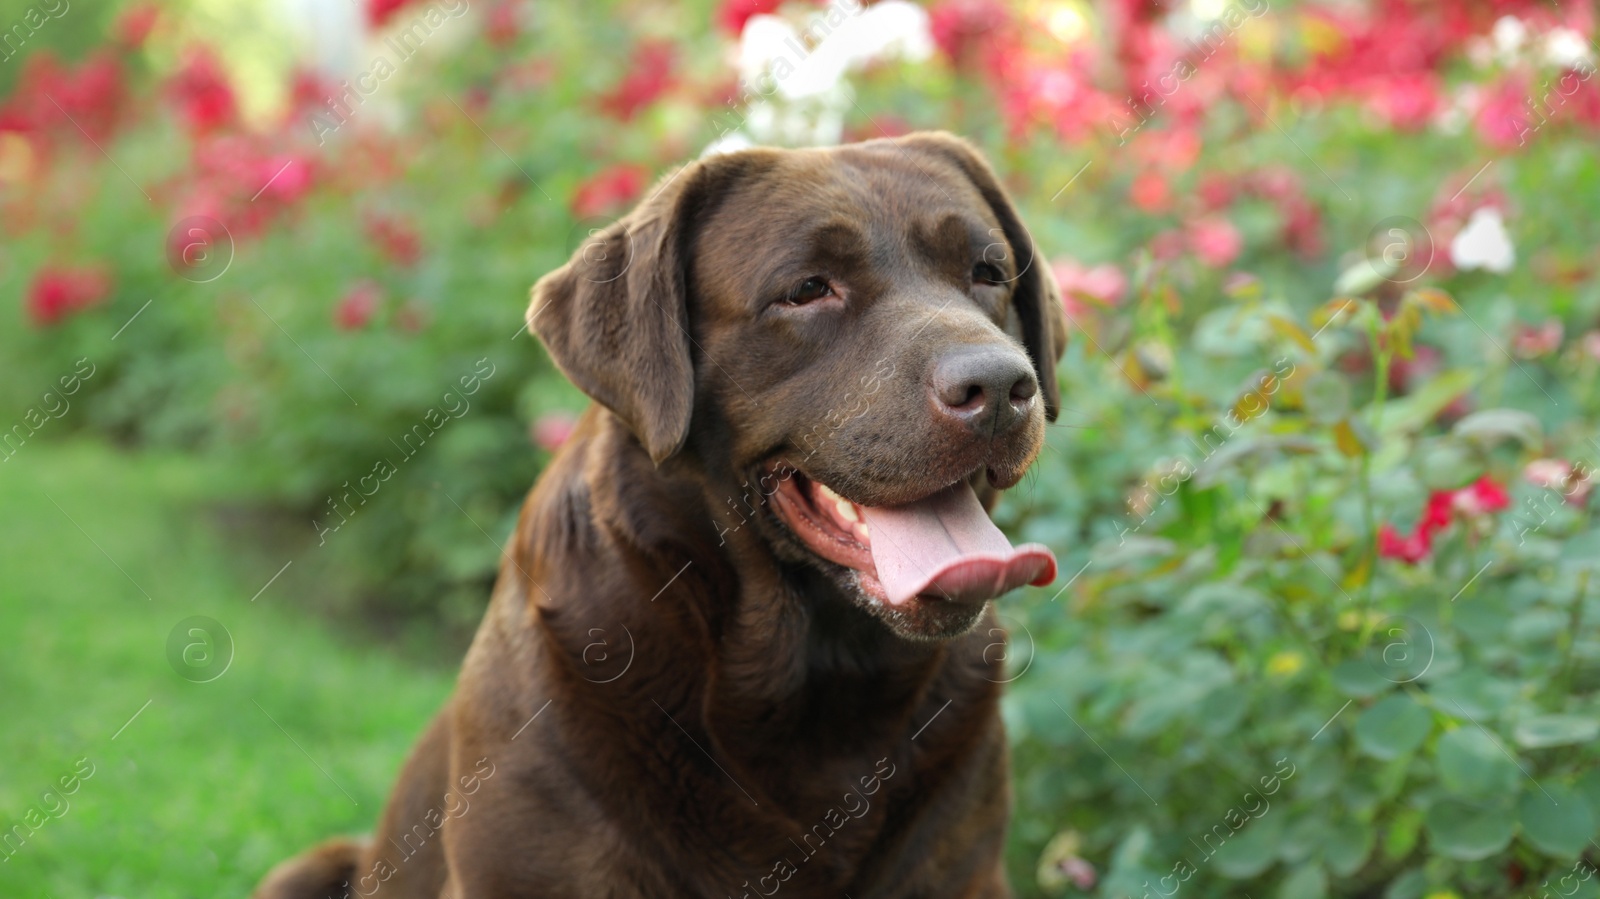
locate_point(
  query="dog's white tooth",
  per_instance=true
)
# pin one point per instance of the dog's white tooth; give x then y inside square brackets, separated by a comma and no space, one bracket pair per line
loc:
[862,530]
[847,510]
[823,489]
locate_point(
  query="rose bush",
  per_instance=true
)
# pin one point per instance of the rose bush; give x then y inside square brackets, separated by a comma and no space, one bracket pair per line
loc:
[1321,489]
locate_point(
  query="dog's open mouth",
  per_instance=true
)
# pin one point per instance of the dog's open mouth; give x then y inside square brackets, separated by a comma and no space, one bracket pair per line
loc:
[941,547]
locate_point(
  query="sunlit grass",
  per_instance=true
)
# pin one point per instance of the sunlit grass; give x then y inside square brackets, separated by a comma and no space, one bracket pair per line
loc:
[200,792]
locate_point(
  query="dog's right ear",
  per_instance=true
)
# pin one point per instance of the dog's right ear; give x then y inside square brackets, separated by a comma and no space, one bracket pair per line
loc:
[615,318]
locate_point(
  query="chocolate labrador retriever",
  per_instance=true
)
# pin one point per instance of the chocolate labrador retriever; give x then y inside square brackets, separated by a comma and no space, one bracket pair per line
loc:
[732,649]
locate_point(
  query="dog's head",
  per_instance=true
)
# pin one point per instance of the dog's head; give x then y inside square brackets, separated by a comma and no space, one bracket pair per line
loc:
[858,341]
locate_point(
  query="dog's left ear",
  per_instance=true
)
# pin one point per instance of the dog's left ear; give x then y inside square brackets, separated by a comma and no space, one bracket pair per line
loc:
[615,318]
[1038,300]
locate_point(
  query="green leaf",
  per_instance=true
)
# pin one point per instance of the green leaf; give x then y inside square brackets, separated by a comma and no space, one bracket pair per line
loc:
[1492,426]
[1410,885]
[1249,453]
[1472,764]
[1349,843]
[1305,882]
[1393,727]
[1401,327]
[1318,770]
[1127,868]
[1589,786]
[1420,407]
[1542,731]
[1290,329]
[1401,837]
[1230,332]
[1556,819]
[1248,852]
[1358,575]
[1359,796]
[1474,691]
[1343,309]
[1244,287]
[1433,300]
[1391,777]
[1304,836]
[1326,397]
[1466,831]
[1362,277]
[1354,677]
[1131,851]
[1446,465]
[1352,439]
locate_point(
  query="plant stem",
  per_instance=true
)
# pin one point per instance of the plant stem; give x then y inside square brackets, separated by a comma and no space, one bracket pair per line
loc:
[1380,390]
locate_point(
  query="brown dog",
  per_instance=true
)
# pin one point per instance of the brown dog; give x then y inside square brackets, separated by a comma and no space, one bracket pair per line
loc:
[731,650]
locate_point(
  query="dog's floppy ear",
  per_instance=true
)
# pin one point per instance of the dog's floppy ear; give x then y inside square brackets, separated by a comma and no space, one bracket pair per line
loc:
[1037,298]
[615,318]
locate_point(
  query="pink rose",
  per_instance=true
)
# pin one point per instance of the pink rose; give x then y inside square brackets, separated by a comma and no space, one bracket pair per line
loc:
[552,429]
[1215,241]
[1105,283]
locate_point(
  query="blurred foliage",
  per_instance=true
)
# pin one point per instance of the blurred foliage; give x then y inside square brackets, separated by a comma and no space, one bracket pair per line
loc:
[1321,488]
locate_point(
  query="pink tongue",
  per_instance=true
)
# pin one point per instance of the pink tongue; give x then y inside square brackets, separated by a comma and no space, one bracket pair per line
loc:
[945,547]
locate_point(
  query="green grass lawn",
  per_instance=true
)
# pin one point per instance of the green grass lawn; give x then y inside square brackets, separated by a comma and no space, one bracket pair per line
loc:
[197,788]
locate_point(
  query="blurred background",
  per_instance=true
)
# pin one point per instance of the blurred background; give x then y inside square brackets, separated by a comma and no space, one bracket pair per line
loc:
[1321,493]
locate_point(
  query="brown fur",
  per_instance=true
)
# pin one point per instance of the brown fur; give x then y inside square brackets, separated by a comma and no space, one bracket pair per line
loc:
[669,695]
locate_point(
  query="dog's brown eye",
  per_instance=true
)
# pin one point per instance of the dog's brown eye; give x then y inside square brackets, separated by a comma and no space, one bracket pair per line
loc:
[985,273]
[810,289]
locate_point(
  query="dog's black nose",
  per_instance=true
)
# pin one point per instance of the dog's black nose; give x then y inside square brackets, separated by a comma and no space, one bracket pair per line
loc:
[989,389]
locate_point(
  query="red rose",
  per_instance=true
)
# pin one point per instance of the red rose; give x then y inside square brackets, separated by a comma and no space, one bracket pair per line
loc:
[1436,515]
[379,12]
[1408,101]
[648,77]
[412,317]
[135,23]
[967,30]
[609,191]
[357,307]
[396,239]
[1481,497]
[48,94]
[734,13]
[308,95]
[202,92]
[1408,549]
[57,293]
